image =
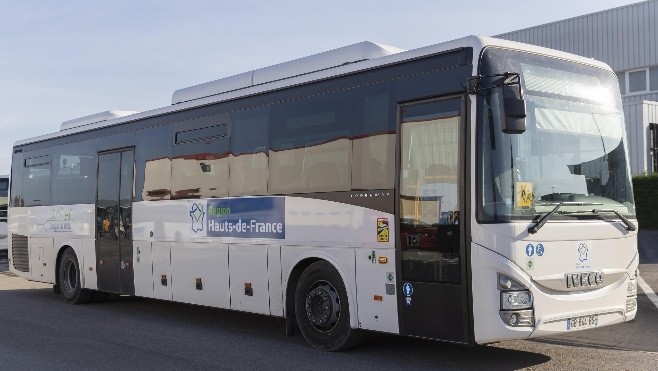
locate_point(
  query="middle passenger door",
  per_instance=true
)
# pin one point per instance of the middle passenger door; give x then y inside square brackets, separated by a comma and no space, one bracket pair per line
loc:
[114,256]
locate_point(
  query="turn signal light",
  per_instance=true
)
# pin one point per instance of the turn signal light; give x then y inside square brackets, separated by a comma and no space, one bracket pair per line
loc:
[632,288]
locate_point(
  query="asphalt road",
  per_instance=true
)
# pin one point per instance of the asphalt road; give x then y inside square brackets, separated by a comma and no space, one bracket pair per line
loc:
[38,330]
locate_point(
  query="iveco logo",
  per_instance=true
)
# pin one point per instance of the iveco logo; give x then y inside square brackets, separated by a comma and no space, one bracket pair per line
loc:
[584,279]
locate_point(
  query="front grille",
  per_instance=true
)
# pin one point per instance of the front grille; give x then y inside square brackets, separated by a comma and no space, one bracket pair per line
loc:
[20,258]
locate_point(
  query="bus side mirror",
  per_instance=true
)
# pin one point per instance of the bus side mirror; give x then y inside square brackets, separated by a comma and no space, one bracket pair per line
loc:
[513,110]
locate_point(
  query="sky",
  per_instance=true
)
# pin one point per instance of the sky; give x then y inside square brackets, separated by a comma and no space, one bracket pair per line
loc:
[61,60]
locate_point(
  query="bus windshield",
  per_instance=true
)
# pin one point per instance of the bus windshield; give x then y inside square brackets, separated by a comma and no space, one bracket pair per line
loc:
[572,152]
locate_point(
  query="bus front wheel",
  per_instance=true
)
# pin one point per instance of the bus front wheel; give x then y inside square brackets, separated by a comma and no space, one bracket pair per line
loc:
[69,279]
[322,309]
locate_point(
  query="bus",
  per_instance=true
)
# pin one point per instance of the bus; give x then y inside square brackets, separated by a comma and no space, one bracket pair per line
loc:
[472,191]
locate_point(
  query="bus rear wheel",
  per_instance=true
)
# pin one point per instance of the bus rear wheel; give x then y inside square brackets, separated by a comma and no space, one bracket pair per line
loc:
[322,309]
[69,279]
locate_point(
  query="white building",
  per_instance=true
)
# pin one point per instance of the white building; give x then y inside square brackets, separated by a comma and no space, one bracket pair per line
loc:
[626,39]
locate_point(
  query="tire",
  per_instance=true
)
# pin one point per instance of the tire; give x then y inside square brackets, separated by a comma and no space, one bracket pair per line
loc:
[69,279]
[322,309]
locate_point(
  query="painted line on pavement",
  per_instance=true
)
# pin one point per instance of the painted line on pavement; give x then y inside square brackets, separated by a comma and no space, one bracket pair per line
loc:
[647,291]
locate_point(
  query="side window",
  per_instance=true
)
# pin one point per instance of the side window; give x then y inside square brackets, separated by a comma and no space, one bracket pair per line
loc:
[74,174]
[249,152]
[36,181]
[429,190]
[4,187]
[373,143]
[310,144]
[153,163]
[430,162]
[16,180]
[200,164]
[4,194]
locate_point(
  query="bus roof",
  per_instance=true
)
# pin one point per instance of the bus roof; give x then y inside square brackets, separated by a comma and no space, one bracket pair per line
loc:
[330,59]
[341,61]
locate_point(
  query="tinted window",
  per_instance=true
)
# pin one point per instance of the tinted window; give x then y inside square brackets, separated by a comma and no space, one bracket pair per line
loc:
[310,145]
[153,163]
[373,138]
[4,187]
[200,164]
[4,192]
[311,150]
[36,181]
[311,121]
[74,173]
[16,180]
[250,131]
[249,147]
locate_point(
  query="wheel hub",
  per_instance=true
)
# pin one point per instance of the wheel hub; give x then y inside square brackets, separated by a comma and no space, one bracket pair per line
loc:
[323,306]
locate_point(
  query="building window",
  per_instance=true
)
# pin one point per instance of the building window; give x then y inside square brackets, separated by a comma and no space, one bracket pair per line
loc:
[637,81]
[653,78]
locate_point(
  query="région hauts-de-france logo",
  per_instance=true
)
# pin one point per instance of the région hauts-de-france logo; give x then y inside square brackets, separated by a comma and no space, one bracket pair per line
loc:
[197,215]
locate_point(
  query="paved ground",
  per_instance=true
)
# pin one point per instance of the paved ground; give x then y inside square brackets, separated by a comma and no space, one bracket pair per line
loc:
[41,331]
[45,332]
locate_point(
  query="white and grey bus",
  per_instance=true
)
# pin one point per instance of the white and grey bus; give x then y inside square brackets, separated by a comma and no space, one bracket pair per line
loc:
[472,191]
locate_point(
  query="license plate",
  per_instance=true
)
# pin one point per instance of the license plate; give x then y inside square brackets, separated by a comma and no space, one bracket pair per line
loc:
[583,322]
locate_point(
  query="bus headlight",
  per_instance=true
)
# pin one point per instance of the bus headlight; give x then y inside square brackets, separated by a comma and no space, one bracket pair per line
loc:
[632,288]
[512,300]
[631,295]
[516,303]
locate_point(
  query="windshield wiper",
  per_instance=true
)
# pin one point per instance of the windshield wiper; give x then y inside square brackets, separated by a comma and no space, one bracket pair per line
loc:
[629,225]
[540,223]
